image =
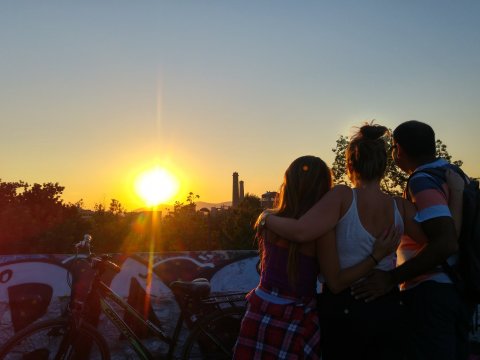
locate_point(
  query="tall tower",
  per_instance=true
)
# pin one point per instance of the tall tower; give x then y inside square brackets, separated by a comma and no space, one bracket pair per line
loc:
[242,193]
[235,194]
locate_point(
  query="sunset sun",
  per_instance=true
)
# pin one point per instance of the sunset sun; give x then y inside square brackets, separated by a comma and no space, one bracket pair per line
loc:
[156,186]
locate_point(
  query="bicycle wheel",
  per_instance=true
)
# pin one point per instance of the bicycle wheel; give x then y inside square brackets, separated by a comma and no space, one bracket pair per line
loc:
[51,339]
[214,336]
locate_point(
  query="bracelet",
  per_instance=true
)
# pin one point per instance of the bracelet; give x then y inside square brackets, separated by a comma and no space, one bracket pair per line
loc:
[373,258]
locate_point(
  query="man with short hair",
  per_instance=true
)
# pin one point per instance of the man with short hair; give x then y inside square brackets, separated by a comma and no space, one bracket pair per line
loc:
[440,317]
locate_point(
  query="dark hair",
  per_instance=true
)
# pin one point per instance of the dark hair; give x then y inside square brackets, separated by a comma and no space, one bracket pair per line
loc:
[306,180]
[366,153]
[417,139]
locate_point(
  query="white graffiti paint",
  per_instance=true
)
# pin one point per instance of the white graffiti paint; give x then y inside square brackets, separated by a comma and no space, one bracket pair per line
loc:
[240,275]
[50,274]
[186,258]
[134,269]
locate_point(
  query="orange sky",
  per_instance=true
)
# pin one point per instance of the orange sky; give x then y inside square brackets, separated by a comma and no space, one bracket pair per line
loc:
[94,94]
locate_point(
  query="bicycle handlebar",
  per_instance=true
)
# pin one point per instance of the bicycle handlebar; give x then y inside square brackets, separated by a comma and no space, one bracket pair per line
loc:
[99,262]
[103,262]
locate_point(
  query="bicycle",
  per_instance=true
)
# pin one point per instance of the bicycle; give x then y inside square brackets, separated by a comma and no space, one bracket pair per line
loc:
[215,320]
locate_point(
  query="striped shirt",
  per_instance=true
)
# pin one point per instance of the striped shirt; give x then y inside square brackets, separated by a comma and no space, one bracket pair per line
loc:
[430,196]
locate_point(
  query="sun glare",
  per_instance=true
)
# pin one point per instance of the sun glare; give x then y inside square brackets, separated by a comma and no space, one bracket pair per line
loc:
[156,186]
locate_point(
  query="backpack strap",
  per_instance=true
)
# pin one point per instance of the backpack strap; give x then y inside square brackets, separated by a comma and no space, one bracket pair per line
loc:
[438,175]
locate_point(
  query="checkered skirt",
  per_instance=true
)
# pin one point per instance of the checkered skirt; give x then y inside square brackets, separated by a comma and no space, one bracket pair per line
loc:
[273,331]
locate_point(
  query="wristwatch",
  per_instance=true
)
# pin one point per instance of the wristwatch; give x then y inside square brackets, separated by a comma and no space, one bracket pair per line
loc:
[264,218]
[263,221]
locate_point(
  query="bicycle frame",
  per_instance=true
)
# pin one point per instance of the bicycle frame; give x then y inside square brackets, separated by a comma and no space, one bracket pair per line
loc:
[213,321]
[102,293]
[100,298]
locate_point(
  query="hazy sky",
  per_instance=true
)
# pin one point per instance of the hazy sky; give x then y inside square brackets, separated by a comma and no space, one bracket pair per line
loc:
[94,92]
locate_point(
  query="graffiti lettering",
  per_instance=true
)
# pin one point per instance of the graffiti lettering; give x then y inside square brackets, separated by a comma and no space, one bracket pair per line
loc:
[5,276]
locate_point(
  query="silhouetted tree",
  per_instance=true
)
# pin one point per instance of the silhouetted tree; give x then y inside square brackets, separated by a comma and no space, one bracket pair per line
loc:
[35,219]
[110,228]
[185,228]
[237,228]
[116,208]
[395,179]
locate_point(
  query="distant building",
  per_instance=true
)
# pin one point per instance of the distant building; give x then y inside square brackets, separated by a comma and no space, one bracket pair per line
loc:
[238,191]
[215,211]
[235,191]
[242,191]
[268,199]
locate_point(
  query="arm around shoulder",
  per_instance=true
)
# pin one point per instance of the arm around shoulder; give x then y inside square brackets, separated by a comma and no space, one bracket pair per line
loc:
[441,243]
[338,279]
[316,222]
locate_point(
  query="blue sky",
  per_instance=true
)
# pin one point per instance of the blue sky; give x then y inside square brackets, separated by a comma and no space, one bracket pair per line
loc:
[94,92]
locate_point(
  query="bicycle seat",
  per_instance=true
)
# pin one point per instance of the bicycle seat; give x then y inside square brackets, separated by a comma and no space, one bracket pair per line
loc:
[197,288]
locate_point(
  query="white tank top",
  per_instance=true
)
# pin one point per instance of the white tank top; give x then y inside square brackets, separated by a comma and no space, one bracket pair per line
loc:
[355,243]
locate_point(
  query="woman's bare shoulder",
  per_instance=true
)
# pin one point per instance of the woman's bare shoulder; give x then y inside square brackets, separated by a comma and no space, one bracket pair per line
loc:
[341,191]
[341,195]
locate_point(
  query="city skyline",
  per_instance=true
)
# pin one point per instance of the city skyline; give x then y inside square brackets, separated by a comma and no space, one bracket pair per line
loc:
[94,94]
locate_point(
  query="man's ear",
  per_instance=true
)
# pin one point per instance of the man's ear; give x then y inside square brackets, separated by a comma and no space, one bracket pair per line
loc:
[400,151]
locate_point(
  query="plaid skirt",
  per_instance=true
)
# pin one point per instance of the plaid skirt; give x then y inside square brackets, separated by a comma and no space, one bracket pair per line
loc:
[273,331]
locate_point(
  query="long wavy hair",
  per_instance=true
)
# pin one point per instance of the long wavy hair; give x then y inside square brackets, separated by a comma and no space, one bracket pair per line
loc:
[305,181]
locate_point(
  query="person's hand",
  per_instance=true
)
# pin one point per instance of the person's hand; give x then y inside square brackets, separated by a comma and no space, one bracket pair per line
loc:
[261,221]
[454,181]
[387,243]
[376,284]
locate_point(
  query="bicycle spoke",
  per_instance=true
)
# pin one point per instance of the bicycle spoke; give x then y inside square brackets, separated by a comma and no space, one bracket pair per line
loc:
[38,345]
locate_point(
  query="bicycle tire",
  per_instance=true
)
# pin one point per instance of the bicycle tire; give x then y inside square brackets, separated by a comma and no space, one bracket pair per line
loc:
[45,339]
[214,336]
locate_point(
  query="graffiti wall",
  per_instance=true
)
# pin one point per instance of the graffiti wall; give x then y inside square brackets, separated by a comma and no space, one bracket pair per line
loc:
[34,287]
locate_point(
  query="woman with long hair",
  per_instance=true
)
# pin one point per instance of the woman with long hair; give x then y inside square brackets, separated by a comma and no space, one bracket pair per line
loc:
[282,319]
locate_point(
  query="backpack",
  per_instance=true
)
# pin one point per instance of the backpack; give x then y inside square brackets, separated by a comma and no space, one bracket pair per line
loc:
[466,272]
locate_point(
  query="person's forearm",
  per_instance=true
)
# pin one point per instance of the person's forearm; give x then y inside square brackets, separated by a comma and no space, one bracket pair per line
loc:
[287,228]
[316,222]
[430,257]
[346,277]
[300,230]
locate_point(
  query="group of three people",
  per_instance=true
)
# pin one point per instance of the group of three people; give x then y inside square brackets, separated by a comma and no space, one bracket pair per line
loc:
[350,237]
